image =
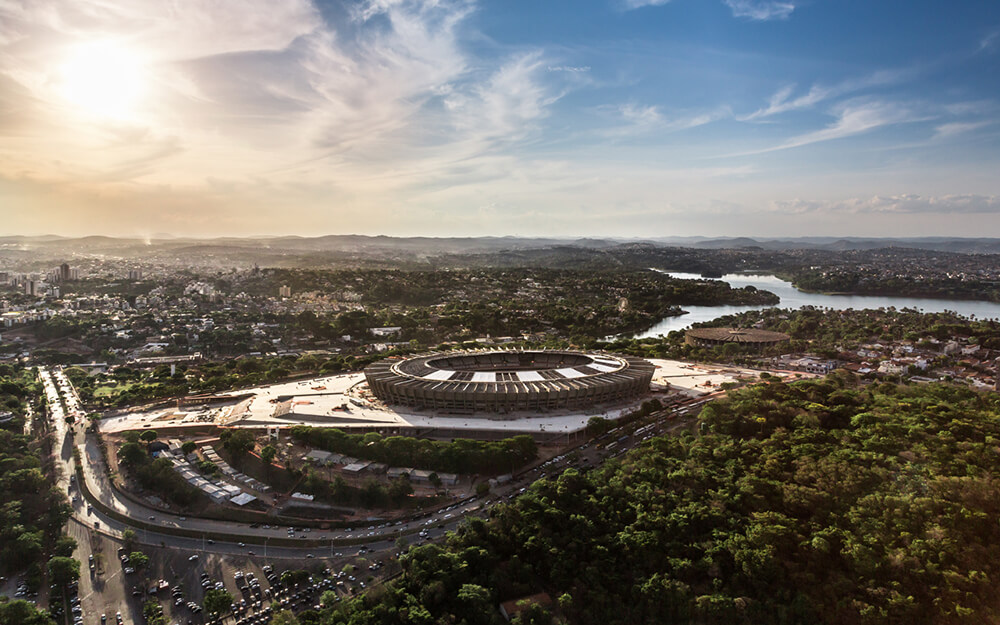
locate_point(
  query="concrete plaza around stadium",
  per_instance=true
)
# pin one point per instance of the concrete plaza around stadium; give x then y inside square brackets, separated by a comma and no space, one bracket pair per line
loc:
[343,401]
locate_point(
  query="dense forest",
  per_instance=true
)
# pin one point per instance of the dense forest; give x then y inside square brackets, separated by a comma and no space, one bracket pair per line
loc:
[32,510]
[459,456]
[812,502]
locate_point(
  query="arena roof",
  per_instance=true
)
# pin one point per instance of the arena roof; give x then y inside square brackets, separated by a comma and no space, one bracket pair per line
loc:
[509,380]
[736,335]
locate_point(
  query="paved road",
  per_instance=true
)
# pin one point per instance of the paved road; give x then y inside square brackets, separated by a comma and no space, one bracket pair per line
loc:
[107,589]
[382,539]
[97,483]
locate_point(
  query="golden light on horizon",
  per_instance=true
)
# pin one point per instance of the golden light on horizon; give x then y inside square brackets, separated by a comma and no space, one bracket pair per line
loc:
[103,79]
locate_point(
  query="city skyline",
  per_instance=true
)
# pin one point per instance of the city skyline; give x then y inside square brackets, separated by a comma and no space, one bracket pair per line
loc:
[623,118]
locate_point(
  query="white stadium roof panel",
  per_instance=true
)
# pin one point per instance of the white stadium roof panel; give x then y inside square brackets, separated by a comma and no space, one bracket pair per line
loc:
[610,363]
[440,374]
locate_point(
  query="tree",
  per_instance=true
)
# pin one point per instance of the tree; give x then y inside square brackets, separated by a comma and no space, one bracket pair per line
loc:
[148,436]
[20,612]
[65,545]
[63,570]
[217,601]
[476,603]
[138,560]
[239,442]
[132,455]
[153,612]
[267,455]
[128,540]
[286,617]
[188,447]
[533,614]
[297,576]
[597,426]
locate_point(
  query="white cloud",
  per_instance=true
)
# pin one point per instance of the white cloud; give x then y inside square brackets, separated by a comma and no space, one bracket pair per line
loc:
[952,129]
[248,89]
[637,120]
[989,42]
[761,10]
[853,118]
[644,116]
[628,5]
[895,204]
[783,102]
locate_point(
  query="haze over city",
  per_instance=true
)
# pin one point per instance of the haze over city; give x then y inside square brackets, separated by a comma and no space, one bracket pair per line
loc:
[456,117]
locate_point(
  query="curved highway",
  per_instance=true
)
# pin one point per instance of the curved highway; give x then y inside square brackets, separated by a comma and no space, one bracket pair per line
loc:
[229,537]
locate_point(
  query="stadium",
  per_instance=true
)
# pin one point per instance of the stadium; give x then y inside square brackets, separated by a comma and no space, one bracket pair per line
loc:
[709,337]
[502,382]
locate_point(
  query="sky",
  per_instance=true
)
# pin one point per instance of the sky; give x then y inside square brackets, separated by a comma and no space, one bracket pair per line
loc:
[623,118]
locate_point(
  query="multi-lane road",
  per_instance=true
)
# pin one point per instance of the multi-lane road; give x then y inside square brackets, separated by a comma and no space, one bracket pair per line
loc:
[98,533]
[230,537]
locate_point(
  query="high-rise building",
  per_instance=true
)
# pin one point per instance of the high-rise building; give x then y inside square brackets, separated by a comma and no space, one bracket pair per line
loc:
[30,287]
[135,274]
[64,272]
[285,291]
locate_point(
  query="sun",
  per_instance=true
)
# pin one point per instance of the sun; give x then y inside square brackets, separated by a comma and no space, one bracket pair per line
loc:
[102,79]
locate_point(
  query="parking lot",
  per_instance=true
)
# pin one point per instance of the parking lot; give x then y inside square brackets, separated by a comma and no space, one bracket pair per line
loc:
[179,581]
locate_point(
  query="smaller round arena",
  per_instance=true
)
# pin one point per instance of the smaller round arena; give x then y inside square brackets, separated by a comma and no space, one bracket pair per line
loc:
[509,381]
[750,337]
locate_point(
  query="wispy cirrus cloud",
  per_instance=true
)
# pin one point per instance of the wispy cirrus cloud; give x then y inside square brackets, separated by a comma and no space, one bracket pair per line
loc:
[246,89]
[761,10]
[990,41]
[756,10]
[852,118]
[907,203]
[642,119]
[628,5]
[785,100]
[952,129]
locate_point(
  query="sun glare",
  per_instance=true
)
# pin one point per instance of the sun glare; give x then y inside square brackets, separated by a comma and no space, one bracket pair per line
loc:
[103,79]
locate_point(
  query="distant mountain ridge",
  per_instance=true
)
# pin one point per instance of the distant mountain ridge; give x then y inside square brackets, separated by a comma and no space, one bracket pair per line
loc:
[349,248]
[840,244]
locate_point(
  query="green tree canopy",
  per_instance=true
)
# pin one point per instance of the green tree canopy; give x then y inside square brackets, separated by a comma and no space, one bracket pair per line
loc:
[217,601]
[63,570]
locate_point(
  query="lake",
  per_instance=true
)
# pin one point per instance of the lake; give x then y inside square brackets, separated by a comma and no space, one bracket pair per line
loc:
[794,298]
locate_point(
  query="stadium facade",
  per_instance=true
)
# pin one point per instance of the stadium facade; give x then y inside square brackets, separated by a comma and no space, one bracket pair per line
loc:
[499,382]
[710,337]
